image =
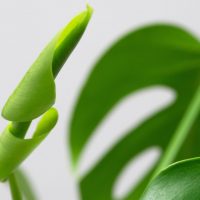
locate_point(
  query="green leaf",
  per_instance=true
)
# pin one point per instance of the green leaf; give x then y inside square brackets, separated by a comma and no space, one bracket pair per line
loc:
[35,94]
[33,97]
[14,150]
[180,181]
[157,55]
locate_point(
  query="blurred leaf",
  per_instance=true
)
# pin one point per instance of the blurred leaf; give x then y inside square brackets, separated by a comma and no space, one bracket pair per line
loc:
[155,55]
[179,181]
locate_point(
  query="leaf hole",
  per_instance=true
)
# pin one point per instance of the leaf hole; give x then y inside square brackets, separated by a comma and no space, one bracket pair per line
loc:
[134,171]
[126,115]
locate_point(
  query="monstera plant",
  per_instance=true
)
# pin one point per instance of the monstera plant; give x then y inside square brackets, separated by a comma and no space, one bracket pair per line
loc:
[156,55]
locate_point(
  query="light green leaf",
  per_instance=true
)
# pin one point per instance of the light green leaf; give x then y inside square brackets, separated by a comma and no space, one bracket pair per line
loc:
[157,55]
[14,150]
[35,94]
[33,97]
[180,181]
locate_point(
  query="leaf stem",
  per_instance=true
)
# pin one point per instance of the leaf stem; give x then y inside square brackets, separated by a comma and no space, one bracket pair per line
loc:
[25,185]
[14,188]
[19,129]
[180,133]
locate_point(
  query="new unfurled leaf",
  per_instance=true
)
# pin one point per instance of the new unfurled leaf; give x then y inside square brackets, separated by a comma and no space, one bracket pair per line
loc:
[34,96]
[14,150]
[36,93]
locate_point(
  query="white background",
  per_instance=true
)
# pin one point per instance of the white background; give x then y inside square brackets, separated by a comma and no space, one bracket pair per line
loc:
[27,25]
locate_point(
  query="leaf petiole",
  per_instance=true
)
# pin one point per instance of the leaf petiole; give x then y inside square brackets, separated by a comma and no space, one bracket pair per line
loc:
[180,133]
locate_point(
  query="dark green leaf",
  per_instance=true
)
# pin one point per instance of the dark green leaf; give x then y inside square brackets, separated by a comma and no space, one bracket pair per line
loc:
[158,55]
[180,181]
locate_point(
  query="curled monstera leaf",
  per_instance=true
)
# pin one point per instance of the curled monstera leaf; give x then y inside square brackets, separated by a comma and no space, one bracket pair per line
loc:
[35,94]
[13,150]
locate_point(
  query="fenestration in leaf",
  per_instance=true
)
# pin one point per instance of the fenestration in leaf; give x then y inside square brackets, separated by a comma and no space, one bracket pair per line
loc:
[163,55]
[35,94]
[180,181]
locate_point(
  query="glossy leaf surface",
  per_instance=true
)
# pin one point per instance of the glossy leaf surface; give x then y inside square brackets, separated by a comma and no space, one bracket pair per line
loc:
[180,181]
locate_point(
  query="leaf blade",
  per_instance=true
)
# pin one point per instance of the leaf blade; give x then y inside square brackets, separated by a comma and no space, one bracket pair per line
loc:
[14,150]
[178,181]
[36,93]
[155,55]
